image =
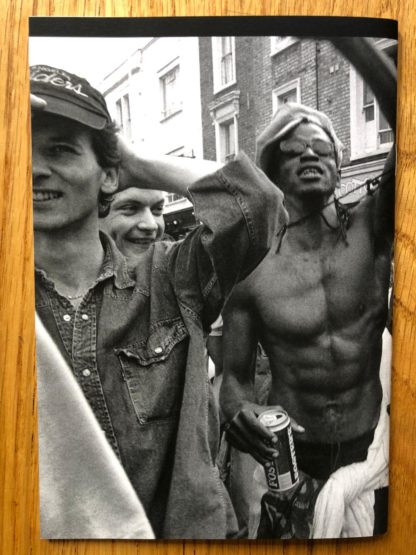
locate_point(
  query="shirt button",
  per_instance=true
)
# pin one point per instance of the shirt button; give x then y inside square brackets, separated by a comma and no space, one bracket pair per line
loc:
[67,317]
[84,316]
[86,372]
[158,350]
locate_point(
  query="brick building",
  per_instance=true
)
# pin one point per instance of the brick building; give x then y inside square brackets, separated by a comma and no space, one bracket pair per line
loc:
[244,79]
[212,96]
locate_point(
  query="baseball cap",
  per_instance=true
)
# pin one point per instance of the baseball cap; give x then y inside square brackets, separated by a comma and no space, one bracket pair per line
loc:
[69,96]
[287,118]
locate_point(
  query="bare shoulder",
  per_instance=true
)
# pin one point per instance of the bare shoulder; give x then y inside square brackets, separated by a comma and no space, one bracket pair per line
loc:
[262,279]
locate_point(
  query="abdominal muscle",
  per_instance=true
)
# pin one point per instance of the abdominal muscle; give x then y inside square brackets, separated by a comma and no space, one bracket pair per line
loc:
[330,385]
[320,318]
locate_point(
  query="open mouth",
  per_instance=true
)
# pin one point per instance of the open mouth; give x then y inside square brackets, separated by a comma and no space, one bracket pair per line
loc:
[141,240]
[310,172]
[44,196]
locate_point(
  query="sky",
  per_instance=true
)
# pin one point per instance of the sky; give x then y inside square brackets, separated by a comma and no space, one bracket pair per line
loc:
[92,58]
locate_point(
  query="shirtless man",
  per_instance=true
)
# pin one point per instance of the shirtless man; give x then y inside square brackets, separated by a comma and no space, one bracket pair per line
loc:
[324,345]
[317,303]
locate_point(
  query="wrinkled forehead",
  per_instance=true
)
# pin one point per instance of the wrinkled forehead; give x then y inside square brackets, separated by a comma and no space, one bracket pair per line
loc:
[144,197]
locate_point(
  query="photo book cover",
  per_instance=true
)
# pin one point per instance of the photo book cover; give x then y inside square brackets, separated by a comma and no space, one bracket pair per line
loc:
[213,207]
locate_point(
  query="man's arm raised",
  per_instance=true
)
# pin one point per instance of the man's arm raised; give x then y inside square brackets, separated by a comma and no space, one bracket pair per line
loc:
[166,173]
[384,216]
[138,169]
[380,73]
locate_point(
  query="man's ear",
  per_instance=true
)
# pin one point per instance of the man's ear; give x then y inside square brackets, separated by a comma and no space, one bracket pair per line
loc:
[110,180]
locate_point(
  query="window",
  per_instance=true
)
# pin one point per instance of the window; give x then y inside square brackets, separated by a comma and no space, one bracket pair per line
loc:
[174,197]
[223,59]
[226,61]
[370,132]
[290,92]
[123,115]
[385,132]
[227,140]
[277,44]
[376,129]
[169,86]
[368,103]
[224,113]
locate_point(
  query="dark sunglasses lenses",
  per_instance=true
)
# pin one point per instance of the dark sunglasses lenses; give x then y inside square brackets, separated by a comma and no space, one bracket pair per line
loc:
[320,147]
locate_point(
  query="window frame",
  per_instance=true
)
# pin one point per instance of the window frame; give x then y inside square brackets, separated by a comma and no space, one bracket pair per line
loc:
[177,105]
[283,89]
[218,86]
[224,124]
[121,104]
[358,133]
[285,42]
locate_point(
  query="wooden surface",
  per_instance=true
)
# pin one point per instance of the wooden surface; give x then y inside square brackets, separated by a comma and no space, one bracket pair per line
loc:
[19,515]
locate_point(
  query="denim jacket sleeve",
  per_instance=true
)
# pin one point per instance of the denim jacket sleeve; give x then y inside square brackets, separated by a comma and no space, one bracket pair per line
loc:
[241,211]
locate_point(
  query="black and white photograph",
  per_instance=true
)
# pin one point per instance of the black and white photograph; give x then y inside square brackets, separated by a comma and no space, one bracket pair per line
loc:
[213,211]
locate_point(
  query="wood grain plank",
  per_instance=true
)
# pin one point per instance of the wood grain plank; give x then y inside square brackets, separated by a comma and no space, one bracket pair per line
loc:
[19,515]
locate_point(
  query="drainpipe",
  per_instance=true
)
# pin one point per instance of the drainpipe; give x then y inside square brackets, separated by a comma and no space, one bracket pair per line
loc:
[317,51]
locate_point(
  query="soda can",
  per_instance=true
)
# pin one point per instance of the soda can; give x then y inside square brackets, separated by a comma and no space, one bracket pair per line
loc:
[282,472]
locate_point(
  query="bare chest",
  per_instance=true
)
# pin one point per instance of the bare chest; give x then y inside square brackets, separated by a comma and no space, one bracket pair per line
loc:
[305,293]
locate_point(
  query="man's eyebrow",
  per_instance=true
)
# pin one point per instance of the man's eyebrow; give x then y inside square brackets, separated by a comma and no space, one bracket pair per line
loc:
[121,202]
[67,137]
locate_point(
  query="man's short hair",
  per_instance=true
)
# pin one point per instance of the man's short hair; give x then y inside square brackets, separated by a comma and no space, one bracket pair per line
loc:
[104,145]
[69,96]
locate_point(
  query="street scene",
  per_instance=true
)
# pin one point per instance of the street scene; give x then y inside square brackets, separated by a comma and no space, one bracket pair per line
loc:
[214,223]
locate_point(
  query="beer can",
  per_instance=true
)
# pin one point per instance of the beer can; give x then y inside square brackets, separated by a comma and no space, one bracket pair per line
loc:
[282,472]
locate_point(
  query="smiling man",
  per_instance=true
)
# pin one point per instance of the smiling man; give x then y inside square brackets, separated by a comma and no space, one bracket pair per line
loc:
[318,305]
[135,340]
[135,221]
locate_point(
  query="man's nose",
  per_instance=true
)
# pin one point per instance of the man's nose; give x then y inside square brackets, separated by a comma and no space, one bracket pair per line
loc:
[309,153]
[40,168]
[146,221]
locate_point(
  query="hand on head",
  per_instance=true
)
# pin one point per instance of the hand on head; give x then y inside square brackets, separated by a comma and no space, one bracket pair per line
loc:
[37,103]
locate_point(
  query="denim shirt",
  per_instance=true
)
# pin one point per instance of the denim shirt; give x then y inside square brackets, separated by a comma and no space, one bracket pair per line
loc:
[136,345]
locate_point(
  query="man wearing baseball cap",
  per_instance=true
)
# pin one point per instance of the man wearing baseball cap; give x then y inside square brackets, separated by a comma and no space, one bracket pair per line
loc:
[318,305]
[135,340]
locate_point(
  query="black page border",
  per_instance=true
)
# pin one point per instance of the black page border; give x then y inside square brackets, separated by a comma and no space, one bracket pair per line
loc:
[305,26]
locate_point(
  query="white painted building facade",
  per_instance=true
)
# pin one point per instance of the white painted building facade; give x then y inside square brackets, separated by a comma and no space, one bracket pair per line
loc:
[155,97]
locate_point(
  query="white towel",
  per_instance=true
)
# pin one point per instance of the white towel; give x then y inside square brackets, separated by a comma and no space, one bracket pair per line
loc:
[345,505]
[84,490]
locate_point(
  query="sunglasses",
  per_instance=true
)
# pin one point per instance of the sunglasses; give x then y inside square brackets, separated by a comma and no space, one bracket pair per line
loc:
[296,146]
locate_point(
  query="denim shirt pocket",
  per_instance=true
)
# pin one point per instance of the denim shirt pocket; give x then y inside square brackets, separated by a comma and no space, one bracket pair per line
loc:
[154,369]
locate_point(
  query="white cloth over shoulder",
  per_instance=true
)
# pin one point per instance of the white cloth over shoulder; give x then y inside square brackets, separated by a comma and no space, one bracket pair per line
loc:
[345,505]
[84,490]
